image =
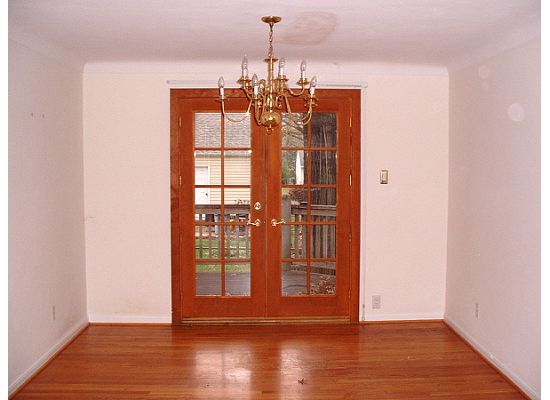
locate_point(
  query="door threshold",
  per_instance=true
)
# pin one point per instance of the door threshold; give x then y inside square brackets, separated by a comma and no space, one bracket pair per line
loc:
[265,321]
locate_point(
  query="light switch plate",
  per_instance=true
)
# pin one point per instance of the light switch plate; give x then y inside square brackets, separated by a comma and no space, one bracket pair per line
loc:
[383,176]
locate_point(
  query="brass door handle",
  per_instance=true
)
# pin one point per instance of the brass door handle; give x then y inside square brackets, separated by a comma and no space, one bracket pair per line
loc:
[274,222]
[255,223]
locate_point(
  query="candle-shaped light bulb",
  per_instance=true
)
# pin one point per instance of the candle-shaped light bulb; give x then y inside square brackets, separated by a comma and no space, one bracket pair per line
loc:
[312,85]
[244,67]
[281,67]
[303,69]
[221,85]
[255,84]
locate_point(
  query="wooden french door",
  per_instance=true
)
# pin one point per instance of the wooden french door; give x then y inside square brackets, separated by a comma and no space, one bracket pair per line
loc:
[265,225]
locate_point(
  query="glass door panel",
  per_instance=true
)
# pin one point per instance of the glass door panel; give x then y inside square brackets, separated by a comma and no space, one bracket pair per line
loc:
[228,187]
[308,269]
[303,169]
[223,275]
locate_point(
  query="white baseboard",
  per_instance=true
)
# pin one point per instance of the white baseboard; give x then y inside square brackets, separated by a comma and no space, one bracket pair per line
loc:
[529,391]
[35,367]
[131,319]
[402,317]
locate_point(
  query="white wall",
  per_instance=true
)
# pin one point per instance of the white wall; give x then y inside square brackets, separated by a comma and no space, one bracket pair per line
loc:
[127,164]
[494,210]
[46,209]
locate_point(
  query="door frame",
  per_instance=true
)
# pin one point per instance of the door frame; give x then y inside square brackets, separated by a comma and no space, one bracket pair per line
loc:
[176,197]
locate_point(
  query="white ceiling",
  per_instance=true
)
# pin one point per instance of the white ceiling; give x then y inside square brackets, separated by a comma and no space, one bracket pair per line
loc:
[426,32]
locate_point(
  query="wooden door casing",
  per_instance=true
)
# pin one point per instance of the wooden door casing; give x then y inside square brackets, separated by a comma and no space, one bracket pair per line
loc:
[263,304]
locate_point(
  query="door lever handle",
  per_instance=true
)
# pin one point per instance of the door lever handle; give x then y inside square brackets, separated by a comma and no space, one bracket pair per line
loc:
[274,222]
[255,223]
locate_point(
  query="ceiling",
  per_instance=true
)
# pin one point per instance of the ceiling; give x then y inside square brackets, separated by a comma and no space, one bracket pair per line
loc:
[426,32]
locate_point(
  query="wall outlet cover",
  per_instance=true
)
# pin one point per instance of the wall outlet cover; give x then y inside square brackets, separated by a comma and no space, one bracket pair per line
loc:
[376,302]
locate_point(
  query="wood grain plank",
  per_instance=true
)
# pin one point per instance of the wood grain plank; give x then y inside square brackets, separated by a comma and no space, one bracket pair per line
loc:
[374,361]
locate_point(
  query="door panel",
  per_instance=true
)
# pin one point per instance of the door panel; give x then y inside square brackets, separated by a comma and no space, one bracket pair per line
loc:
[262,222]
[309,189]
[221,272]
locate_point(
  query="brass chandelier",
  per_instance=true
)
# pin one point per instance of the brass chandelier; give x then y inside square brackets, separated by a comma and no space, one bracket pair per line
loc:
[271,96]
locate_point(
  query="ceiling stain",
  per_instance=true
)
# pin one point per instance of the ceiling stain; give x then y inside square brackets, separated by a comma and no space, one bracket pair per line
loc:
[309,28]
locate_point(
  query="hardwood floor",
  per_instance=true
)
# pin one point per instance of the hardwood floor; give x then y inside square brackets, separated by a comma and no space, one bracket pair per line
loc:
[375,361]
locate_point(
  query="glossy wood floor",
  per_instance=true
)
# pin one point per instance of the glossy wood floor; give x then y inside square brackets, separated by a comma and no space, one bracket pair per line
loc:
[378,361]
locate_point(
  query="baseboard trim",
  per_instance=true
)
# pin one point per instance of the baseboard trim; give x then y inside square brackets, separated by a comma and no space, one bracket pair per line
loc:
[130,324]
[403,321]
[492,361]
[403,317]
[46,358]
[130,319]
[266,321]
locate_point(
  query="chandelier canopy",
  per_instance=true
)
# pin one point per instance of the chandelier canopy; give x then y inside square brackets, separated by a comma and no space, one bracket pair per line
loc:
[270,96]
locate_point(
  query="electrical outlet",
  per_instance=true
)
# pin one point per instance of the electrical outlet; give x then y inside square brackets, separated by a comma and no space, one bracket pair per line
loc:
[53,313]
[376,302]
[477,311]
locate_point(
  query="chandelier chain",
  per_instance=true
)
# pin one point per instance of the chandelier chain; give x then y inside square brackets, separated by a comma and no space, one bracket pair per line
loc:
[270,52]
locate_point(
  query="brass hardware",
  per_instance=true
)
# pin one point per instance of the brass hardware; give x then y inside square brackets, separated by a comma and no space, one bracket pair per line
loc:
[255,223]
[274,222]
[384,177]
[270,97]
[271,19]
[257,206]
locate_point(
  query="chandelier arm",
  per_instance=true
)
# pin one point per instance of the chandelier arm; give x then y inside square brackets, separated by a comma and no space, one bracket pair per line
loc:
[308,116]
[301,92]
[247,113]
[257,108]
[248,93]
[303,121]
[299,121]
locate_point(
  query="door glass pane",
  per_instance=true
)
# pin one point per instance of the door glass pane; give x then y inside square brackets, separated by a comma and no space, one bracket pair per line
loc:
[293,241]
[237,204]
[323,196]
[323,130]
[294,278]
[237,167]
[323,277]
[237,279]
[322,241]
[207,241]
[207,204]
[237,134]
[292,134]
[323,204]
[237,241]
[207,130]
[208,167]
[323,167]
[294,204]
[294,167]
[208,279]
